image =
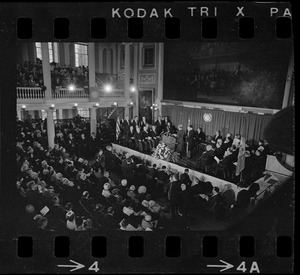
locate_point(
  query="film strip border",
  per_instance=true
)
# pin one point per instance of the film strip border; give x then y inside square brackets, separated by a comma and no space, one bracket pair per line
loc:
[127,253]
[157,21]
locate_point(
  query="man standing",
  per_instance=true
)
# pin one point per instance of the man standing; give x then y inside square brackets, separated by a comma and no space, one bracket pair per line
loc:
[174,194]
[190,140]
[180,140]
[126,125]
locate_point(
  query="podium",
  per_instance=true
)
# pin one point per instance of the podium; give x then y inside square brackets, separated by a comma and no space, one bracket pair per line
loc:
[170,141]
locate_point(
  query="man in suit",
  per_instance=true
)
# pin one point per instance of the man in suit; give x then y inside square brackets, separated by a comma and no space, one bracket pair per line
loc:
[126,125]
[174,194]
[159,125]
[130,141]
[92,143]
[185,178]
[147,139]
[190,140]
[180,140]
[135,122]
[138,139]
[207,157]
[154,135]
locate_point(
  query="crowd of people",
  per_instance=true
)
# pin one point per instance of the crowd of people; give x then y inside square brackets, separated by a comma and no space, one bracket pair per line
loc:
[67,189]
[218,155]
[63,76]
[30,74]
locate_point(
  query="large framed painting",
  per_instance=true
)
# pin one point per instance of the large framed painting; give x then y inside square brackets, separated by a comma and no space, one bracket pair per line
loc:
[145,102]
[244,73]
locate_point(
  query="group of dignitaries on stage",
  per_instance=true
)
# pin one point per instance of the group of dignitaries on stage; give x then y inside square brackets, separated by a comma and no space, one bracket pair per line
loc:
[140,135]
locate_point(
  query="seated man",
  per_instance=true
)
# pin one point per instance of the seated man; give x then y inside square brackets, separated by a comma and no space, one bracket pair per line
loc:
[206,158]
[154,135]
[138,140]
[147,139]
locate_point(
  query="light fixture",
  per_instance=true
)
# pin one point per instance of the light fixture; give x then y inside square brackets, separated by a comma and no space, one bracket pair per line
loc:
[131,104]
[115,104]
[71,87]
[133,89]
[154,107]
[96,105]
[52,107]
[75,104]
[23,107]
[107,88]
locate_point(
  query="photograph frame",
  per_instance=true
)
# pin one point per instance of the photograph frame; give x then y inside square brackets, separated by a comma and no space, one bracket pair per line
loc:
[148,56]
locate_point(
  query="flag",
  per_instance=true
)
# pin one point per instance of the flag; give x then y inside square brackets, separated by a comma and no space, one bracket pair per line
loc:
[241,157]
[118,130]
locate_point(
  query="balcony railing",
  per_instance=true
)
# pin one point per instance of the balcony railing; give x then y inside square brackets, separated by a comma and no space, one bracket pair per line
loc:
[30,93]
[37,95]
[66,93]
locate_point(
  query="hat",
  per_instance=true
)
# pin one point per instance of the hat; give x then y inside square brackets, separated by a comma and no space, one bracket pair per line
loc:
[147,218]
[80,160]
[142,190]
[132,188]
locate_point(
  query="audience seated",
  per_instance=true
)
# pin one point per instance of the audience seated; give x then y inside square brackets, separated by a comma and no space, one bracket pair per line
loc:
[83,192]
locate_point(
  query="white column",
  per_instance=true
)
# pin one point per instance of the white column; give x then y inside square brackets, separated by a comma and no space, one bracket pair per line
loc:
[100,59]
[46,70]
[67,53]
[19,115]
[108,61]
[50,128]
[115,59]
[135,77]
[127,77]
[93,120]
[160,77]
[91,62]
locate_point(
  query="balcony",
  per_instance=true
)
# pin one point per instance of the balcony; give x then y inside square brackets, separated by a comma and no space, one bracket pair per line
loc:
[35,95]
[30,95]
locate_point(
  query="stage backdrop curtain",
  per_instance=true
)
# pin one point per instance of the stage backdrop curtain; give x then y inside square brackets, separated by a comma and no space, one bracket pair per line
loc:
[250,126]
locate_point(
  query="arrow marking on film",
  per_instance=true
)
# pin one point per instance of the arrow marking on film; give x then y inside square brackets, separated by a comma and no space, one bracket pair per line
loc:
[76,266]
[226,266]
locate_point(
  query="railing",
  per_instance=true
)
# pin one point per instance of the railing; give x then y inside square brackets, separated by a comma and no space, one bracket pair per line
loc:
[36,93]
[66,93]
[30,93]
[118,93]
